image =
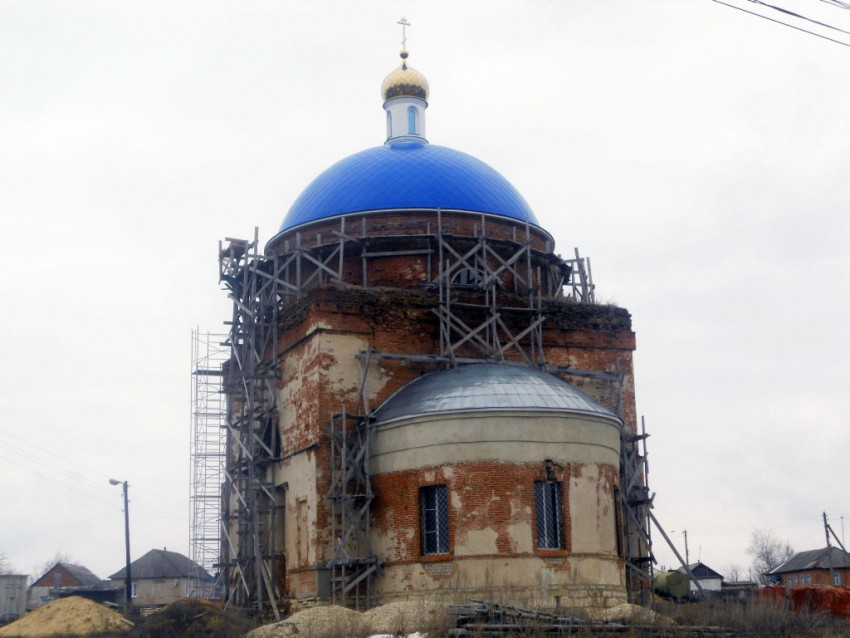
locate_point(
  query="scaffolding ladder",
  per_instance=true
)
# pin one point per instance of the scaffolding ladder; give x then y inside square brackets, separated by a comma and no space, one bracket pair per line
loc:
[207,456]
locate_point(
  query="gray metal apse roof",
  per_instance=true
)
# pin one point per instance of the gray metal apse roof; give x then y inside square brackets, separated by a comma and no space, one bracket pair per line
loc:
[487,386]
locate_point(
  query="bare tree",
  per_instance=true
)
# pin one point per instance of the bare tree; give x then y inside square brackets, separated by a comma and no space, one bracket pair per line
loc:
[768,553]
[733,573]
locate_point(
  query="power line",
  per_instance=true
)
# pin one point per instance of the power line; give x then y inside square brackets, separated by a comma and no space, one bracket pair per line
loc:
[66,470]
[152,508]
[732,530]
[797,15]
[42,528]
[759,15]
[53,481]
[837,3]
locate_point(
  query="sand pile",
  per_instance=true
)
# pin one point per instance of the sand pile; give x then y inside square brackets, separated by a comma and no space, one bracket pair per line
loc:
[406,618]
[336,622]
[316,622]
[632,615]
[72,616]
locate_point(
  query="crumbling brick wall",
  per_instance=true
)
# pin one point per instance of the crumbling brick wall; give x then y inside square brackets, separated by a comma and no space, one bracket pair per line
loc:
[323,332]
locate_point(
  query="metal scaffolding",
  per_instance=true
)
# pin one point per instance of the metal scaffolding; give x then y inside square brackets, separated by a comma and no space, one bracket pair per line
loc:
[207,456]
[352,565]
[636,504]
[489,299]
[253,554]
[483,284]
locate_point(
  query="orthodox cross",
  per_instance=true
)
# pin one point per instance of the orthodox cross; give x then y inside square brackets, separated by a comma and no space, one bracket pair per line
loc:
[404,24]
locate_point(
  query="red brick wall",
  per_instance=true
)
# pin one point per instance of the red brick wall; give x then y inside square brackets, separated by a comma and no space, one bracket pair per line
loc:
[412,223]
[392,232]
[49,579]
[394,315]
[587,337]
[487,495]
[819,577]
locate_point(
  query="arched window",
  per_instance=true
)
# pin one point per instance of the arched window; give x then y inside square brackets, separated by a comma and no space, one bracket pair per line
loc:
[411,120]
[550,514]
[467,277]
[434,519]
[389,125]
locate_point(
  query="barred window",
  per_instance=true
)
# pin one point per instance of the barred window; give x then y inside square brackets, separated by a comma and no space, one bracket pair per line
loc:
[434,509]
[550,516]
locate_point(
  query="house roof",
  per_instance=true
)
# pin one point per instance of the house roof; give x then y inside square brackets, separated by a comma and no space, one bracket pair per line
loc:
[82,574]
[813,559]
[701,571]
[159,563]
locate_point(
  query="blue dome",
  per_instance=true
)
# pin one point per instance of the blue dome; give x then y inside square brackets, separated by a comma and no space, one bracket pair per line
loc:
[408,175]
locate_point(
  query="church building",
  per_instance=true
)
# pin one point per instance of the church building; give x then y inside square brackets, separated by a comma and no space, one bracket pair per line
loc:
[425,401]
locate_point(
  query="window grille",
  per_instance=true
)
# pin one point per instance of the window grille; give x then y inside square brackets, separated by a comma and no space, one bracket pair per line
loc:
[550,517]
[434,507]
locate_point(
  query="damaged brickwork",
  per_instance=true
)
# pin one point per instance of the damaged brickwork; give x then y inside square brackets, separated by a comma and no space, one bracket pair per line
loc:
[386,305]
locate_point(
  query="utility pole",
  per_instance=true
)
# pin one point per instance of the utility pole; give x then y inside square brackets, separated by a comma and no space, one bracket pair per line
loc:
[687,558]
[828,549]
[128,581]
[685,564]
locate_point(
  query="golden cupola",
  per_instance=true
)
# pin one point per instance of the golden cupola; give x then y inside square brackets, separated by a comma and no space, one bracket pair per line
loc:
[405,81]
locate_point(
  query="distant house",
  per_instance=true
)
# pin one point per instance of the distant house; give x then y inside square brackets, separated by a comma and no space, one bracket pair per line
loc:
[13,597]
[827,566]
[708,579]
[61,578]
[160,577]
[739,589]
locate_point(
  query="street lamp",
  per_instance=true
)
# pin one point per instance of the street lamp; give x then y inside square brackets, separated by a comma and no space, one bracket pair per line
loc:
[687,557]
[128,582]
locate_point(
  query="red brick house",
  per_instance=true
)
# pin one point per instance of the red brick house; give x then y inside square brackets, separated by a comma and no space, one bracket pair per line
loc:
[61,578]
[826,566]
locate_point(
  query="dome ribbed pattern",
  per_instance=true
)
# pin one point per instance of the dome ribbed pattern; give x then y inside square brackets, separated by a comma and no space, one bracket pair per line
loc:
[408,176]
[405,82]
[487,386]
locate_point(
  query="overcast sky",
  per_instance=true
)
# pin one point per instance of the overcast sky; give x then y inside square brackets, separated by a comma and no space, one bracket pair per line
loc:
[700,156]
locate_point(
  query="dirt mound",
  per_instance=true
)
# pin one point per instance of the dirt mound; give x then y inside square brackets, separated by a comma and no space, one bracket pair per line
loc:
[190,618]
[632,615]
[317,622]
[73,616]
[406,618]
